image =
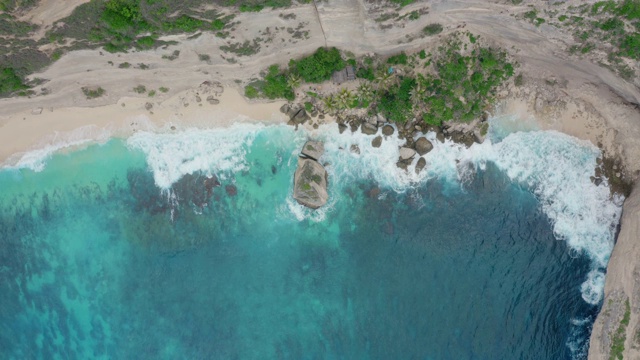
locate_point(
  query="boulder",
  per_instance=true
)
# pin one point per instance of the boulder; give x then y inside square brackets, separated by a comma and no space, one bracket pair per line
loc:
[369,129]
[376,142]
[406,153]
[310,184]
[440,137]
[402,165]
[422,163]
[313,149]
[355,149]
[285,109]
[423,146]
[342,127]
[373,120]
[387,130]
[300,117]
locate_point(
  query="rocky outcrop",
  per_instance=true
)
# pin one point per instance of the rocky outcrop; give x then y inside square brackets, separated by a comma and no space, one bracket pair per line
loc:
[423,146]
[296,114]
[376,142]
[313,149]
[387,130]
[310,178]
[369,129]
[406,153]
[422,163]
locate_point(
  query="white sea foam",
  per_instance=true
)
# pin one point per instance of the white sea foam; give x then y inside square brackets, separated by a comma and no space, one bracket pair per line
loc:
[173,155]
[555,167]
[60,141]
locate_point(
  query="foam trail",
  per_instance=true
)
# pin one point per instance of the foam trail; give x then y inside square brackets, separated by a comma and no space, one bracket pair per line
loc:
[555,167]
[172,155]
[36,159]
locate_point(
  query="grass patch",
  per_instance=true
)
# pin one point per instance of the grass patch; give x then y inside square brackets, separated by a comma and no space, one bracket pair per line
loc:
[92,92]
[432,29]
[247,48]
[617,343]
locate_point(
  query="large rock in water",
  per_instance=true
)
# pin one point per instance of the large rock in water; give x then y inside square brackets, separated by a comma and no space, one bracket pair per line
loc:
[310,184]
[313,149]
[423,146]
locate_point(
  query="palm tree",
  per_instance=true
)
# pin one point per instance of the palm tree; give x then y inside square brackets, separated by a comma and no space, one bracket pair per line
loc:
[344,99]
[384,79]
[329,103]
[293,81]
[365,92]
[417,94]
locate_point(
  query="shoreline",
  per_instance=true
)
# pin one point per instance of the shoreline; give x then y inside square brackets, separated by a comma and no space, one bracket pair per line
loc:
[27,131]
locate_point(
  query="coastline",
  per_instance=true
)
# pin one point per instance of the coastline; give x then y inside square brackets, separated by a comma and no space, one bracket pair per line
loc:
[578,98]
[58,128]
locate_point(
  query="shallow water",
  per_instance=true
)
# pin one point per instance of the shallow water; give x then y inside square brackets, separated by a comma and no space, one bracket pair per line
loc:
[131,250]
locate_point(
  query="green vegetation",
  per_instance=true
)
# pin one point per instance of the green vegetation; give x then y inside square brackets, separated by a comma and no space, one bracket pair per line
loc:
[140,89]
[247,48]
[432,29]
[276,86]
[93,92]
[562,17]
[10,82]
[319,66]
[251,92]
[163,89]
[308,106]
[457,86]
[124,65]
[152,93]
[400,59]
[395,102]
[617,343]
[630,46]
[402,2]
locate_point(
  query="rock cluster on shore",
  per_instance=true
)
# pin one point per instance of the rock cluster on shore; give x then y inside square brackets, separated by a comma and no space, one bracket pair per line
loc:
[412,131]
[310,179]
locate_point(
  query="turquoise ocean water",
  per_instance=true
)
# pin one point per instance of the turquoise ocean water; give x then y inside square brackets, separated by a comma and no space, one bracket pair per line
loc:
[189,246]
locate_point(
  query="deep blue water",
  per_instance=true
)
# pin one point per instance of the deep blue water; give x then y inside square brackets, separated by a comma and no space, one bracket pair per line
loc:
[97,261]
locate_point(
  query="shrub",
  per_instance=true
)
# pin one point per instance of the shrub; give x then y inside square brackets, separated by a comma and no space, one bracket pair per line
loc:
[319,66]
[92,92]
[400,59]
[10,82]
[152,93]
[251,92]
[163,89]
[140,89]
[276,85]
[630,46]
[432,29]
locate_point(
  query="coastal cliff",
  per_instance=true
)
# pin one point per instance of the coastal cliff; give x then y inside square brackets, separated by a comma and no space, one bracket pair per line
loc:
[616,332]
